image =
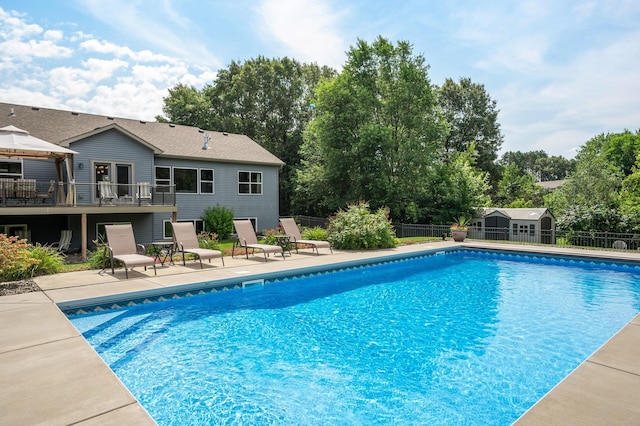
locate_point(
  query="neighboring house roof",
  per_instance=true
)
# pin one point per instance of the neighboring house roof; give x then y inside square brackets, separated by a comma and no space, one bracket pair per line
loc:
[166,140]
[552,184]
[515,214]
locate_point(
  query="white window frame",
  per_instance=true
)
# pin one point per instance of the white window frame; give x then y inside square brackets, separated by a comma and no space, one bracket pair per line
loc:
[212,181]
[13,175]
[168,235]
[250,183]
[163,182]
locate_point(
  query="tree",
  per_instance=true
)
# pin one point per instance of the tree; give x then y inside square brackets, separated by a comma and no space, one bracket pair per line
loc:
[187,106]
[473,119]
[375,136]
[265,99]
[629,198]
[538,164]
[519,189]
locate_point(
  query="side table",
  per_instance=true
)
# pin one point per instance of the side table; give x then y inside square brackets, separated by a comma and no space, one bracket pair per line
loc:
[165,251]
[284,241]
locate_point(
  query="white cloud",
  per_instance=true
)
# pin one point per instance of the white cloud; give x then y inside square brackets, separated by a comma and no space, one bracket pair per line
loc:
[134,20]
[306,30]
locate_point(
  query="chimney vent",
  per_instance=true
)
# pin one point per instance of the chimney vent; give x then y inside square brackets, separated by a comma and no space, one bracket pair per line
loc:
[206,141]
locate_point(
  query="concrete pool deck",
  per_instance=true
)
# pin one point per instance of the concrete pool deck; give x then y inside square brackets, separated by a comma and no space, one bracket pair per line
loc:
[50,375]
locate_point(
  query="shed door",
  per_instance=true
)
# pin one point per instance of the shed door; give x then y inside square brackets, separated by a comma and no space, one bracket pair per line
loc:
[496,228]
[545,231]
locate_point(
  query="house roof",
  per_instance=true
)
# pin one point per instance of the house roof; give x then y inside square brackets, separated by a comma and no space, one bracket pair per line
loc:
[552,184]
[515,214]
[168,140]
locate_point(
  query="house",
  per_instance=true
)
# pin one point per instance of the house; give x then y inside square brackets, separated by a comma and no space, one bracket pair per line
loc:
[552,185]
[144,173]
[523,224]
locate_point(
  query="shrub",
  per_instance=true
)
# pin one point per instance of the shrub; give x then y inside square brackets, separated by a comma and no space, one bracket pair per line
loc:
[219,220]
[358,228]
[270,236]
[50,261]
[316,234]
[15,258]
[208,240]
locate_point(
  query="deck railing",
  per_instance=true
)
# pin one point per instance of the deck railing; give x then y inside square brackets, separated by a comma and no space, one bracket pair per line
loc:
[29,192]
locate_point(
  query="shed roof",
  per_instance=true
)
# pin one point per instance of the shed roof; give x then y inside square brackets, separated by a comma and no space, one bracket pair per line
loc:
[516,214]
[170,140]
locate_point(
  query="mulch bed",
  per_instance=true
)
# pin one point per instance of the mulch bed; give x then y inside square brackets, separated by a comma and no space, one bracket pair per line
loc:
[18,287]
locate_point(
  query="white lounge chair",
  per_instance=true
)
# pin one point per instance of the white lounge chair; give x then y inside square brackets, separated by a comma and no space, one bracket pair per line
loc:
[65,241]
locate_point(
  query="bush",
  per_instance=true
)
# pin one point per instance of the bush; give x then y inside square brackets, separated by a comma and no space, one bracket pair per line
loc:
[50,261]
[270,236]
[358,228]
[219,220]
[15,258]
[316,234]
[208,240]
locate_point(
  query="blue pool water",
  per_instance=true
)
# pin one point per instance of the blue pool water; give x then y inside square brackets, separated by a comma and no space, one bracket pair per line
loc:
[462,338]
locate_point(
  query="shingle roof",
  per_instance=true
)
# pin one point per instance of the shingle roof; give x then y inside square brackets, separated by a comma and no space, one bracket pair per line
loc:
[516,214]
[170,140]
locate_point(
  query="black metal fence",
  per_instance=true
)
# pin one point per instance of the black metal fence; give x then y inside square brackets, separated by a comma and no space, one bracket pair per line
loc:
[558,237]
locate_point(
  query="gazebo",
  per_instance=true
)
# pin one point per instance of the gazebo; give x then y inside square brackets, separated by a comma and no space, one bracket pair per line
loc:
[18,143]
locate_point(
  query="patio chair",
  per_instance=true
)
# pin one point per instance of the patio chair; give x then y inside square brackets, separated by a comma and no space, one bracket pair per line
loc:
[107,193]
[619,245]
[65,241]
[7,188]
[186,241]
[247,238]
[46,195]
[144,193]
[26,189]
[122,246]
[291,229]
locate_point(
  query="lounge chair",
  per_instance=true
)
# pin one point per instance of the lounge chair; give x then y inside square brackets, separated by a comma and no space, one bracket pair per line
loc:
[65,241]
[291,229]
[247,239]
[186,241]
[122,246]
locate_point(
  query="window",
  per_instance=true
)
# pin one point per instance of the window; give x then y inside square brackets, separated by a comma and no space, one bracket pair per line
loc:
[167,230]
[163,179]
[185,180]
[250,183]
[206,181]
[532,229]
[10,169]
[515,229]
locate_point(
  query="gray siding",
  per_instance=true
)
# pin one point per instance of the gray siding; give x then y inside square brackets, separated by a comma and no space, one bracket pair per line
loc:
[264,207]
[109,147]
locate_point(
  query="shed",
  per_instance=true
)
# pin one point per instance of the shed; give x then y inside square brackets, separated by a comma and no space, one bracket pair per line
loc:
[535,225]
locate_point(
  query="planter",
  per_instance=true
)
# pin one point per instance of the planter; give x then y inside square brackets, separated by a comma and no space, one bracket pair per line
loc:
[459,236]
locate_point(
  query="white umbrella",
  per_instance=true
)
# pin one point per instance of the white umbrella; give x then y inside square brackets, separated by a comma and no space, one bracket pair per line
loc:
[19,143]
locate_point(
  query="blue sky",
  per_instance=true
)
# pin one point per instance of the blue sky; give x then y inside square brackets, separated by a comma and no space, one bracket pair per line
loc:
[561,71]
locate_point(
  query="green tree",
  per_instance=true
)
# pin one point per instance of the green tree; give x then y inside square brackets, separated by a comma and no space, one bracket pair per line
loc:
[266,99]
[519,189]
[375,136]
[473,119]
[538,164]
[187,106]
[629,198]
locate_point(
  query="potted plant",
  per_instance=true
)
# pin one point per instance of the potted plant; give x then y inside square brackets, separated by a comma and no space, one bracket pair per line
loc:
[459,228]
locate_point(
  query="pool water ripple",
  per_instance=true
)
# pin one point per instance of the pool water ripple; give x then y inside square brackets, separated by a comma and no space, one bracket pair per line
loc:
[465,338]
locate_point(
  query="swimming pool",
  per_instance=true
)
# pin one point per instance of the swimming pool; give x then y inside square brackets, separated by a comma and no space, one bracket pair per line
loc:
[469,337]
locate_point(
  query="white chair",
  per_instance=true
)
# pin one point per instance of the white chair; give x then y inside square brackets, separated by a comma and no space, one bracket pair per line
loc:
[65,241]
[144,193]
[107,193]
[619,245]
